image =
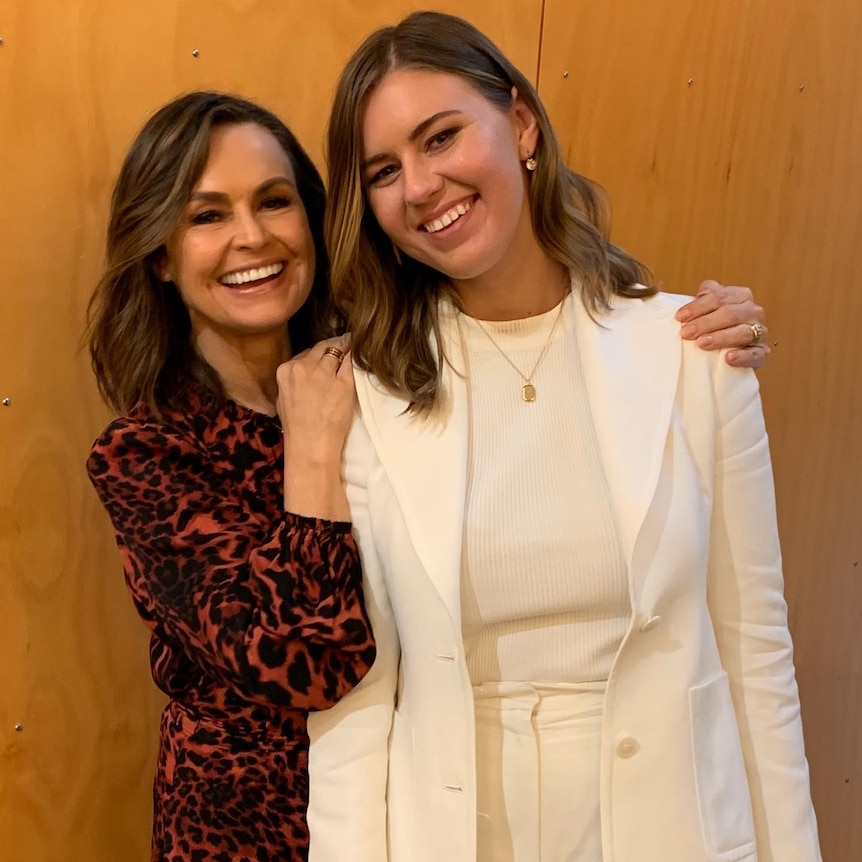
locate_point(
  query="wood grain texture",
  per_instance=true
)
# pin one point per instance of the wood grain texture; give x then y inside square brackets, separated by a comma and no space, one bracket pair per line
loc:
[729,136]
[77,79]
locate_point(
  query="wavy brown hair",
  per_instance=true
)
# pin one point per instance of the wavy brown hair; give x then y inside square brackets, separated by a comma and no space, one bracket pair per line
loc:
[138,329]
[390,299]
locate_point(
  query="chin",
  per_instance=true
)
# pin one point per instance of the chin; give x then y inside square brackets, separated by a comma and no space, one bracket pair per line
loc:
[466,264]
[463,270]
[264,325]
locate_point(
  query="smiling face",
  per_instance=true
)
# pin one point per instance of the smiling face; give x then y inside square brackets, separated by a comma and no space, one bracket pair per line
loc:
[444,176]
[242,257]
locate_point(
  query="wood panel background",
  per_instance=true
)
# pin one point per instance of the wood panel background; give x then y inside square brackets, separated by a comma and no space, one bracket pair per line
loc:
[729,136]
[77,79]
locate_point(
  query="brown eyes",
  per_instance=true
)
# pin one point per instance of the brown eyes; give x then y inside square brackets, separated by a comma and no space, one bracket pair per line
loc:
[381,175]
[205,217]
[441,138]
[271,203]
[432,144]
[276,202]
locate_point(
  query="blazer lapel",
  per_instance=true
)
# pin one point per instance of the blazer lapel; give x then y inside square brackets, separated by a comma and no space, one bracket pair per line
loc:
[631,360]
[425,460]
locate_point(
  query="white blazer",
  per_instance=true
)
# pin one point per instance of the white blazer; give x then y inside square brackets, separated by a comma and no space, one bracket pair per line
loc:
[702,753]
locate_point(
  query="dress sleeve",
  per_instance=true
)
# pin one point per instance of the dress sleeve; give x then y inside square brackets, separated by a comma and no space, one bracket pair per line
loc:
[750,619]
[281,621]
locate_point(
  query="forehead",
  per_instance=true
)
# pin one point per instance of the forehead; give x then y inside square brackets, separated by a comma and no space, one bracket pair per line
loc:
[406,97]
[244,152]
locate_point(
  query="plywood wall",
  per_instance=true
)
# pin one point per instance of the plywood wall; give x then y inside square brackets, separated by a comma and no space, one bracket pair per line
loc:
[77,79]
[729,135]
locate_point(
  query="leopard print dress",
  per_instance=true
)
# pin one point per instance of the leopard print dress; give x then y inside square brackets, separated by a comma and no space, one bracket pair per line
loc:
[256,618]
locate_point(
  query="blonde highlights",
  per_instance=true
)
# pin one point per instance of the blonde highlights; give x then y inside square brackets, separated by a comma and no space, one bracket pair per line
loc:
[391,302]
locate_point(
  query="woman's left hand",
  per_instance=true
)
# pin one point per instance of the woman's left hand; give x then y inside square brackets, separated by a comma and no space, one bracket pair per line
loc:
[726,316]
[316,404]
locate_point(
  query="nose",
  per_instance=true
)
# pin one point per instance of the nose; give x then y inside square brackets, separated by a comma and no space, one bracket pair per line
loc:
[421,181]
[250,231]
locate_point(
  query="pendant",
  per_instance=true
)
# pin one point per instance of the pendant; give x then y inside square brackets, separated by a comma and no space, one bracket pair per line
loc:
[528,392]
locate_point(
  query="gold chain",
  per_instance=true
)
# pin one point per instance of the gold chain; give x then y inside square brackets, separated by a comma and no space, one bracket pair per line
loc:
[528,390]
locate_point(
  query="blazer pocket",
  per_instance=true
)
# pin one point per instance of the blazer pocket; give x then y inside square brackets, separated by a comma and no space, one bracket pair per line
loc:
[722,786]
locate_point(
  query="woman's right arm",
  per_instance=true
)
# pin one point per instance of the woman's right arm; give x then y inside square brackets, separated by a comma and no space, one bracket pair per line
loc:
[348,759]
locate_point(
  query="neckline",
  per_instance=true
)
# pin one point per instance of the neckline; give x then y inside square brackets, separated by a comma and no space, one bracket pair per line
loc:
[502,324]
[203,401]
[520,334]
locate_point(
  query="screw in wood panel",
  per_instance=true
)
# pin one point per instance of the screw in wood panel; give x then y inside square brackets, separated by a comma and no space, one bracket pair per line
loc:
[1,41]
[565,74]
[690,81]
[7,402]
[196,53]
[19,728]
[801,87]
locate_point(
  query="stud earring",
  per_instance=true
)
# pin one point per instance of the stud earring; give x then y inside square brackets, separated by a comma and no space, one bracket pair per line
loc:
[531,164]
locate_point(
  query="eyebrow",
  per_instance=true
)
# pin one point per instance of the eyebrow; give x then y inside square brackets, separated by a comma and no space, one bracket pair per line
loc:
[416,133]
[220,197]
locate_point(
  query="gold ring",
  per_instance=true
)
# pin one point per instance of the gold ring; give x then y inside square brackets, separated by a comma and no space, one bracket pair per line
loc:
[758,330]
[334,351]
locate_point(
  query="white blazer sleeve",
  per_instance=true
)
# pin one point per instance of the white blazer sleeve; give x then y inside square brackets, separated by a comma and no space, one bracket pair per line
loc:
[348,757]
[750,619]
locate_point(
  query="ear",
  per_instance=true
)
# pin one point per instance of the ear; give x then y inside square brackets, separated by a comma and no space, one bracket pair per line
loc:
[163,268]
[526,126]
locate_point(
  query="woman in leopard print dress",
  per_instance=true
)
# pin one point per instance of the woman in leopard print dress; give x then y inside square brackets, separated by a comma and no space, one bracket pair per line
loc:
[222,476]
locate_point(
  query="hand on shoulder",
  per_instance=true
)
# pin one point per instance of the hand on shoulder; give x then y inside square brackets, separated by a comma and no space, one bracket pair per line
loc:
[316,405]
[317,397]
[726,316]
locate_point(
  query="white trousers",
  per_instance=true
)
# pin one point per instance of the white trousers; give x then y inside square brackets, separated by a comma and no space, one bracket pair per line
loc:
[537,762]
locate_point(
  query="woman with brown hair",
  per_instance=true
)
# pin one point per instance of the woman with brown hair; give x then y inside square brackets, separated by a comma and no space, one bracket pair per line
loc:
[222,477]
[565,513]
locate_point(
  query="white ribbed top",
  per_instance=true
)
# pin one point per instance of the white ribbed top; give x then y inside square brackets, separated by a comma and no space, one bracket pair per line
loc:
[544,589]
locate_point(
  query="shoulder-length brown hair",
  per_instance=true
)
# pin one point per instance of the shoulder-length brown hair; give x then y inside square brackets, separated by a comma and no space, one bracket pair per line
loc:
[138,330]
[390,299]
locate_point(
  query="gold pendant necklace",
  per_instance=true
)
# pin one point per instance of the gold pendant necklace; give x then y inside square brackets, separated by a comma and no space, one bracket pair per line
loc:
[528,389]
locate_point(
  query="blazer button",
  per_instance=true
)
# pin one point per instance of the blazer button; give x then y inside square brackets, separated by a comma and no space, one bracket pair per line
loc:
[650,623]
[627,748]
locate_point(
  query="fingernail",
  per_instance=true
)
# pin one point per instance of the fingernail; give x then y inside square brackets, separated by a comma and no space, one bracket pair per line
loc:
[731,356]
[688,330]
[683,314]
[705,341]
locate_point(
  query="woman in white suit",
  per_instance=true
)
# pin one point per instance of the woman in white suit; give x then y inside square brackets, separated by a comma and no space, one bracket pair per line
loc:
[566,513]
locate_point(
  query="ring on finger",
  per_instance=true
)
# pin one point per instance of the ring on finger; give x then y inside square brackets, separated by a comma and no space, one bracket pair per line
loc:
[334,351]
[758,330]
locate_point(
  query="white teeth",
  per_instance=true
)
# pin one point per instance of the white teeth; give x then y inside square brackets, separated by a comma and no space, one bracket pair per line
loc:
[447,218]
[248,275]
